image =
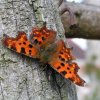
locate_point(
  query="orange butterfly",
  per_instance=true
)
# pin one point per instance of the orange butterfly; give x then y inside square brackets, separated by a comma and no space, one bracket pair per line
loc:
[44,46]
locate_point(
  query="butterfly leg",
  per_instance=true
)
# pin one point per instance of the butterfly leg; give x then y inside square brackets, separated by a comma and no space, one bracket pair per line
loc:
[43,68]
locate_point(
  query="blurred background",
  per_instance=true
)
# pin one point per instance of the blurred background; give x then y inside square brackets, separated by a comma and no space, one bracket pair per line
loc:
[87,53]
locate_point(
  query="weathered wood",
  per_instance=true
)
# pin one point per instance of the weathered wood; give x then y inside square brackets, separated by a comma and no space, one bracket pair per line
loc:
[88,17]
[21,77]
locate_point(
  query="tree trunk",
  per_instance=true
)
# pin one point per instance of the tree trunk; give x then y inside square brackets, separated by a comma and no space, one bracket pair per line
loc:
[22,78]
[88,17]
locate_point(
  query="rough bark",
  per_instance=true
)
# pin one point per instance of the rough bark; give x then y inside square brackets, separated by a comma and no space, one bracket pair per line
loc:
[22,78]
[88,17]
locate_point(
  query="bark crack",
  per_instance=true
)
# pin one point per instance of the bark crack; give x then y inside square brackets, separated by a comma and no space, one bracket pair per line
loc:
[2,93]
[27,89]
[15,15]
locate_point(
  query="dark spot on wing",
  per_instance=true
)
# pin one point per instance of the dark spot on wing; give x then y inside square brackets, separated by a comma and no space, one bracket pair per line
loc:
[70,72]
[20,43]
[30,46]
[64,73]
[35,41]
[62,59]
[58,67]
[40,42]
[62,64]
[30,50]
[61,52]
[24,42]
[59,56]
[23,50]
[43,38]
[68,68]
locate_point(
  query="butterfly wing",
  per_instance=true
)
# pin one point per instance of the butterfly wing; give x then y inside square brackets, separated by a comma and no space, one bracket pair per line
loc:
[42,37]
[21,44]
[61,62]
[35,47]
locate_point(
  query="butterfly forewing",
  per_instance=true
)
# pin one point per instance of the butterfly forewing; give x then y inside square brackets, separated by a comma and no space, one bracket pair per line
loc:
[21,44]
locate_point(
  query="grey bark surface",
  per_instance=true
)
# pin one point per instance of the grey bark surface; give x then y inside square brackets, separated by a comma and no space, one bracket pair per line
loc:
[22,78]
[88,17]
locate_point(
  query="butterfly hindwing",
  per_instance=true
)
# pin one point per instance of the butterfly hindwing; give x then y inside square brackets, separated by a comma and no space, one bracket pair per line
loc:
[61,62]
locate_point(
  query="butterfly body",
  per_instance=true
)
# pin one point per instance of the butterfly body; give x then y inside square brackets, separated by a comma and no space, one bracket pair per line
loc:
[44,46]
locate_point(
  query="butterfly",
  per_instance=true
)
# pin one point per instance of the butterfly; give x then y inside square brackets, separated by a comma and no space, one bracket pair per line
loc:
[43,45]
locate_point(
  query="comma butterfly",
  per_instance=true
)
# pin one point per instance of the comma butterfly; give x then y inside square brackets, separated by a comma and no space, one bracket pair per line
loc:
[44,46]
